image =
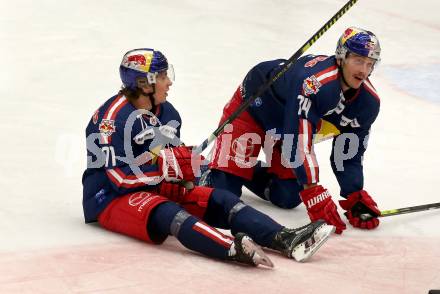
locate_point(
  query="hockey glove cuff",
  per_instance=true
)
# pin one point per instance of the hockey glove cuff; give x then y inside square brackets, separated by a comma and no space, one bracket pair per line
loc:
[173,191]
[320,205]
[358,203]
[177,163]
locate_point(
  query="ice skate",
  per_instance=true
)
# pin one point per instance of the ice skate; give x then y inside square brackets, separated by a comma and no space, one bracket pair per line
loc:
[301,243]
[244,250]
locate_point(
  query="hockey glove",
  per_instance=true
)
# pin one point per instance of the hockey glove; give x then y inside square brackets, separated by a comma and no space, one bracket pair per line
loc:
[358,203]
[194,201]
[320,205]
[173,191]
[175,163]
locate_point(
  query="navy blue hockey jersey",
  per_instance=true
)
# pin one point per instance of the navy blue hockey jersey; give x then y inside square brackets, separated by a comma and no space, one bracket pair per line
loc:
[122,147]
[307,105]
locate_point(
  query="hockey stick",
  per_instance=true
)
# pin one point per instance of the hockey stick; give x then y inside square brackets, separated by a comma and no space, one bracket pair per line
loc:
[291,61]
[404,210]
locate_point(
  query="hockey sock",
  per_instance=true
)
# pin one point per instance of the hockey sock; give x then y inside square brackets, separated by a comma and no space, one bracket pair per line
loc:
[283,193]
[260,182]
[225,210]
[161,218]
[226,181]
[171,219]
[198,236]
[260,227]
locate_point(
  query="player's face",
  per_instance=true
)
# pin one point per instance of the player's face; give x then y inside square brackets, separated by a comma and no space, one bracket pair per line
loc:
[163,83]
[356,69]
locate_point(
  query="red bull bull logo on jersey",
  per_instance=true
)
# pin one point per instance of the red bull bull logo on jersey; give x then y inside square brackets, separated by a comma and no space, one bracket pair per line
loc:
[107,127]
[311,86]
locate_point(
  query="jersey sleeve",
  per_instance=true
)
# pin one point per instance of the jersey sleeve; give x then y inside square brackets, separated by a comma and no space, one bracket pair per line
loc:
[125,171]
[135,164]
[299,129]
[346,160]
[347,164]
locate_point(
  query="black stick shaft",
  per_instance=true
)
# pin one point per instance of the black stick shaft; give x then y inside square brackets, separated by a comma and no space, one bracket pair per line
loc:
[403,210]
[410,209]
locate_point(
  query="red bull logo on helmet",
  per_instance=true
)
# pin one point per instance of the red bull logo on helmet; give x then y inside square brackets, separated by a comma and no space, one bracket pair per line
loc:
[138,60]
[350,32]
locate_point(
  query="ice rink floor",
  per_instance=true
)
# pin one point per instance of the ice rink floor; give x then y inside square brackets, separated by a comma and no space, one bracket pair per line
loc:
[60,62]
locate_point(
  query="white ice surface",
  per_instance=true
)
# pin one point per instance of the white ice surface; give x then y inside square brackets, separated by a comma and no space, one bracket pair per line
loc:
[60,62]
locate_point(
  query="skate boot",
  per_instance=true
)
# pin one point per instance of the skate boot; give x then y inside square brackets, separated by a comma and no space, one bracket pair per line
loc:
[244,250]
[301,243]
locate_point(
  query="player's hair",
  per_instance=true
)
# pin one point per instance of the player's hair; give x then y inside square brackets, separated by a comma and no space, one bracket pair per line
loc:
[130,94]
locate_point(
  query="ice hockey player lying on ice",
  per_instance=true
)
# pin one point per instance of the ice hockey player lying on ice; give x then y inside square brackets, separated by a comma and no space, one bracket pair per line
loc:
[130,190]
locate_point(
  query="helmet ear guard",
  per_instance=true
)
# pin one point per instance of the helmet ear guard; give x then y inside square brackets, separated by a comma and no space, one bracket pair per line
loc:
[145,81]
[341,53]
[151,77]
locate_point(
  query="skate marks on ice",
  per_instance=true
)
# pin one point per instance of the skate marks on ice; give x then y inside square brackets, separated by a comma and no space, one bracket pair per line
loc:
[383,265]
[128,266]
[365,265]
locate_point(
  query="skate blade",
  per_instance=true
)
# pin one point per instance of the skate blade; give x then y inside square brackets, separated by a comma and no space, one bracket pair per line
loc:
[261,258]
[305,250]
[258,257]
